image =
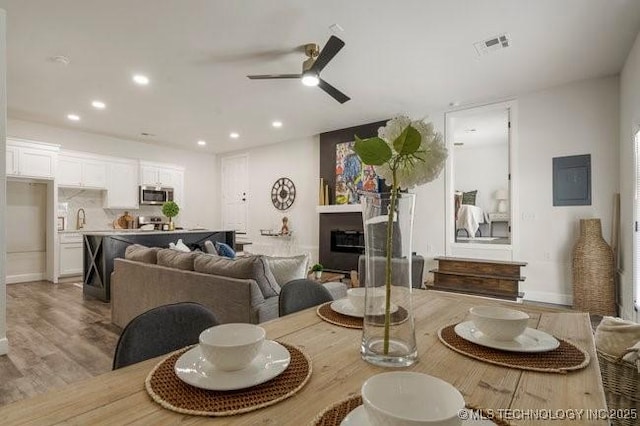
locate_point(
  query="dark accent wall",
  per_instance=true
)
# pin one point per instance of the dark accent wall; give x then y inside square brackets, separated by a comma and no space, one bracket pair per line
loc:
[343,262]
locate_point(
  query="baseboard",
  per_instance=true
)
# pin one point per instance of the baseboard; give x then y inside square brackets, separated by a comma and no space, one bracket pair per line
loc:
[24,278]
[4,346]
[546,297]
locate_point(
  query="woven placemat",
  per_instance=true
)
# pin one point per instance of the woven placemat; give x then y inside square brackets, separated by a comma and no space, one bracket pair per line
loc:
[169,391]
[325,312]
[335,414]
[567,357]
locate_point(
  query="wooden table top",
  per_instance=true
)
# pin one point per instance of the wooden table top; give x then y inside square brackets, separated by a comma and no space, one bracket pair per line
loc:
[327,277]
[119,397]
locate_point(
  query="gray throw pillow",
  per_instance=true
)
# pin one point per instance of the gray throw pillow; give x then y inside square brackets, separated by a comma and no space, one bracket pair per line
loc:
[250,267]
[140,253]
[176,259]
[286,269]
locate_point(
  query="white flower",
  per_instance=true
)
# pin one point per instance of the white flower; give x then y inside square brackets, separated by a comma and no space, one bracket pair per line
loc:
[430,156]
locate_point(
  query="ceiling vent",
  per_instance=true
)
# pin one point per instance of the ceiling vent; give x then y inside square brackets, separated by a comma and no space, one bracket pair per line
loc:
[492,44]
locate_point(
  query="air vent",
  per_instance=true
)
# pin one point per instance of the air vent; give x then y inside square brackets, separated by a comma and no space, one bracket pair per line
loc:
[492,44]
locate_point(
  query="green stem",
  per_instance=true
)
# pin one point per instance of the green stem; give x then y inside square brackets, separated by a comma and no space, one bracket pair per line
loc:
[387,308]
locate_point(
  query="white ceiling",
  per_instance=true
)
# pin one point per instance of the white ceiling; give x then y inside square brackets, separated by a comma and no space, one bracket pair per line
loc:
[409,56]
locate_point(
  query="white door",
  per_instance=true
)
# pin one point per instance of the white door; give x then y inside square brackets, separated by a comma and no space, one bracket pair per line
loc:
[235,192]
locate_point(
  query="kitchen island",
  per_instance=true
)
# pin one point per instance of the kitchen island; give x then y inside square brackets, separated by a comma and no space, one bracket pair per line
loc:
[100,248]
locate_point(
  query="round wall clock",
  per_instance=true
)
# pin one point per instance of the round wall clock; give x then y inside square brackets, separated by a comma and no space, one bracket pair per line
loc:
[283,193]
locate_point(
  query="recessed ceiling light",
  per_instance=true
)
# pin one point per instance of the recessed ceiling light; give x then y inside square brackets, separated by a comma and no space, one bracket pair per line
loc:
[234,135]
[98,105]
[73,117]
[277,124]
[202,143]
[140,79]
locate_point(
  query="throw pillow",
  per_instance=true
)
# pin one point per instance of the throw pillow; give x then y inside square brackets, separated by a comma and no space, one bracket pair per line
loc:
[209,247]
[140,253]
[225,250]
[182,246]
[176,259]
[286,269]
[469,197]
[250,267]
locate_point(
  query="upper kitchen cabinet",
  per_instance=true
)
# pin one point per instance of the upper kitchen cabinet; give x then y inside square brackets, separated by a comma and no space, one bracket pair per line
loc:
[28,159]
[79,170]
[122,185]
[164,175]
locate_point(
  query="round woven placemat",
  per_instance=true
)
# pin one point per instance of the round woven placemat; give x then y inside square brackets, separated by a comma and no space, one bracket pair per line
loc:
[169,391]
[566,357]
[325,312]
[335,414]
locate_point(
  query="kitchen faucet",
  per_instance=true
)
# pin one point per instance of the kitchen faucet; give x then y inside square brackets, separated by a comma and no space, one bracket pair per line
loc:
[80,222]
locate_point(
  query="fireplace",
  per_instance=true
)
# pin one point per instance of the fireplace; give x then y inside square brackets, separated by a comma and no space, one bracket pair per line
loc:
[348,241]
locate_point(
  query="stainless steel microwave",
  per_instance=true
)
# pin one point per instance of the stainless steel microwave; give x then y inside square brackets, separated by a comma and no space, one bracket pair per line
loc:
[155,195]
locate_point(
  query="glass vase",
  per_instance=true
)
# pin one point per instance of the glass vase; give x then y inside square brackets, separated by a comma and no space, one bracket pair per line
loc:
[388,334]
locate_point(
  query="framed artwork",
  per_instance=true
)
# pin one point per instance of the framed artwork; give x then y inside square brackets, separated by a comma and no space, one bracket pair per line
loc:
[60,223]
[352,176]
[572,180]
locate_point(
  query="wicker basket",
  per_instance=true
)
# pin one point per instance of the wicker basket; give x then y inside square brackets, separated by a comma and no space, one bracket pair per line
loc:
[621,382]
[593,288]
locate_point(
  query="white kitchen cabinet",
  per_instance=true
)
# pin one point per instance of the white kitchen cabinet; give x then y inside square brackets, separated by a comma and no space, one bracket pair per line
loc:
[70,254]
[81,171]
[30,159]
[122,185]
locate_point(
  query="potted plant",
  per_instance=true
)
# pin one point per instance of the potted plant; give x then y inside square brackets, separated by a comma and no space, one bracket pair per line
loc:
[170,209]
[317,270]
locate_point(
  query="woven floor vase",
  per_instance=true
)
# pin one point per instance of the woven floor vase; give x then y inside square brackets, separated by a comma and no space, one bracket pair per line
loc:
[593,288]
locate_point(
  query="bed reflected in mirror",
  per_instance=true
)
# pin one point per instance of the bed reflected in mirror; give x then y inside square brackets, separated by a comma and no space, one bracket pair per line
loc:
[480,161]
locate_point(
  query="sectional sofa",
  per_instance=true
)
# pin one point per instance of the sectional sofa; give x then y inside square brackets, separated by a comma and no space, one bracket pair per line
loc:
[245,289]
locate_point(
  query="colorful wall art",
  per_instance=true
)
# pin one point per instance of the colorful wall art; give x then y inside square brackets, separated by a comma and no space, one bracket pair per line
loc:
[352,176]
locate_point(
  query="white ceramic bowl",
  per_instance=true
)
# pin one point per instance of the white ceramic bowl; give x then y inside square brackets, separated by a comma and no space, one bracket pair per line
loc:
[499,323]
[376,298]
[410,399]
[231,346]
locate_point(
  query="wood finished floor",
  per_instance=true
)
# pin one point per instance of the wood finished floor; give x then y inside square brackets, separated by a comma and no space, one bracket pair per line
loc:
[55,338]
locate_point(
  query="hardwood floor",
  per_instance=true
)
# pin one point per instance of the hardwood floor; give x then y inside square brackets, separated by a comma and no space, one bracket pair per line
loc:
[55,337]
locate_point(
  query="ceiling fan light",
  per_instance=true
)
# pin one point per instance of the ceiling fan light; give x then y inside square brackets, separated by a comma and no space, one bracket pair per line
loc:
[310,79]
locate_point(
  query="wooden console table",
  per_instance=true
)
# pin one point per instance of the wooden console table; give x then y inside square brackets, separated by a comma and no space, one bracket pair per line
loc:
[482,277]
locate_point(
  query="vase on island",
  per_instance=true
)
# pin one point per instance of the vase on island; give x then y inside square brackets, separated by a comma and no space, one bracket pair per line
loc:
[388,334]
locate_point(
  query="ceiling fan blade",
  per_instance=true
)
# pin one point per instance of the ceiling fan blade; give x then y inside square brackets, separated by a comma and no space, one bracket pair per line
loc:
[333,92]
[329,50]
[272,76]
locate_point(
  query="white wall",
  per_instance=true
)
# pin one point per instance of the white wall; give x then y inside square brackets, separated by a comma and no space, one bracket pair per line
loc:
[26,227]
[299,161]
[200,179]
[4,344]
[578,118]
[629,124]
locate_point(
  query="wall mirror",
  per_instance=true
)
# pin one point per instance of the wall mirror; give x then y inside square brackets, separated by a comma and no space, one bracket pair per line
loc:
[480,182]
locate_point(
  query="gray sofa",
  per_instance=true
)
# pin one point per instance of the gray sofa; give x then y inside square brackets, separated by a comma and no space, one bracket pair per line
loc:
[242,290]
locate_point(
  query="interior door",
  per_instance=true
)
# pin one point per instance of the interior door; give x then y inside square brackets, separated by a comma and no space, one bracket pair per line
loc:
[235,191]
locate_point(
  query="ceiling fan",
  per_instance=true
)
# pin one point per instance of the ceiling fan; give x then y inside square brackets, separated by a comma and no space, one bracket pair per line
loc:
[312,67]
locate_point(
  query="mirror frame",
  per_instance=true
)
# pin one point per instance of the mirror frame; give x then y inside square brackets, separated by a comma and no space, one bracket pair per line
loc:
[482,251]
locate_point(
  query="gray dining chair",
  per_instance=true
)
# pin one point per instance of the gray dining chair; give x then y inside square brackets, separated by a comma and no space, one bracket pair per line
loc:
[161,330]
[301,294]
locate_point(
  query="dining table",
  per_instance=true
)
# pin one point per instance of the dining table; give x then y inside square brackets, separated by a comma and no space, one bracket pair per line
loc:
[119,397]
